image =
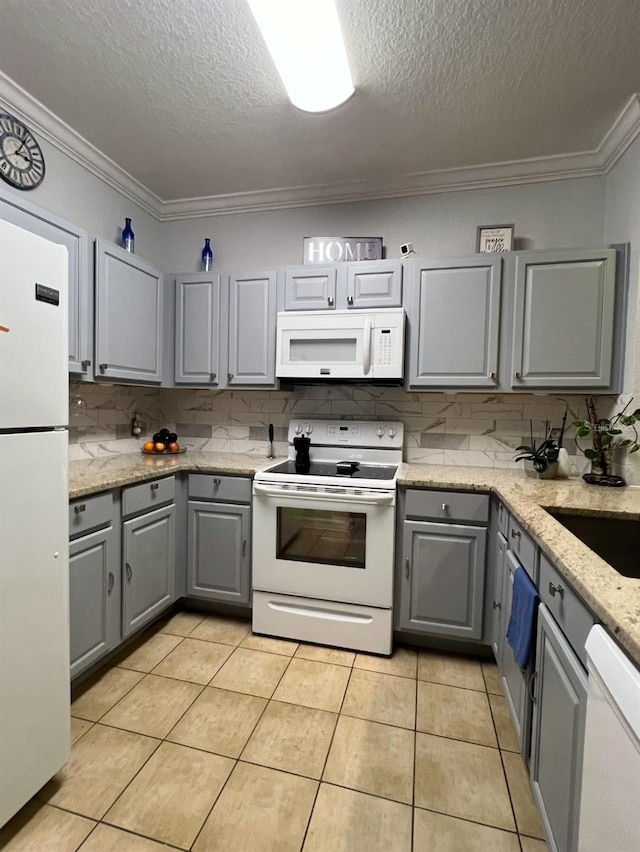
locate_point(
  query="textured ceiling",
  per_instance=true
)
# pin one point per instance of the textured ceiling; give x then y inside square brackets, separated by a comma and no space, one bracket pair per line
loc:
[183,95]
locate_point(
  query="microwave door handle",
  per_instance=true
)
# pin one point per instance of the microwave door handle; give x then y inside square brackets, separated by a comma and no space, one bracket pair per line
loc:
[366,355]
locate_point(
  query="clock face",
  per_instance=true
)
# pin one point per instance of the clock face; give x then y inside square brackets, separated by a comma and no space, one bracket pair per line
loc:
[21,160]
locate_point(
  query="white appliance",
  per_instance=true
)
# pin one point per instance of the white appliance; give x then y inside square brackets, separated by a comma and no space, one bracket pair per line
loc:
[34,593]
[610,793]
[324,540]
[354,345]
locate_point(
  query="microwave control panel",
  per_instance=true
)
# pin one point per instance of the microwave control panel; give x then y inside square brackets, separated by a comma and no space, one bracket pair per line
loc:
[384,346]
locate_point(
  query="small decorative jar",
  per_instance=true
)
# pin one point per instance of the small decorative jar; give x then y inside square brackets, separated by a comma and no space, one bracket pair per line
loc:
[128,237]
[207,256]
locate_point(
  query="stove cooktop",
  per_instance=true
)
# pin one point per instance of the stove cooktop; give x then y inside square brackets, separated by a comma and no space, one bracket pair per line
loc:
[320,469]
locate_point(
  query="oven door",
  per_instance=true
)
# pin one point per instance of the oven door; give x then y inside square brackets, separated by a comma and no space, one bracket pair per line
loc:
[336,548]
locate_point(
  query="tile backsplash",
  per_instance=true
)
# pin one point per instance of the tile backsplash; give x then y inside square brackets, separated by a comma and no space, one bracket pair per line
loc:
[440,428]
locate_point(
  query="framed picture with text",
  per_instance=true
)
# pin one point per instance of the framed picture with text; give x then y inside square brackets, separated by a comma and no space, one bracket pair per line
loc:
[493,239]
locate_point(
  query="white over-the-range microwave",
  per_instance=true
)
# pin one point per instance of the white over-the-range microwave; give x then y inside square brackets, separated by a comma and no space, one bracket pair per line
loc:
[351,345]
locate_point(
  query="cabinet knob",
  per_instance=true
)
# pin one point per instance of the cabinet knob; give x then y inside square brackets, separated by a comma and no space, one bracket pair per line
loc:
[497,605]
[492,376]
[213,376]
[79,509]
[216,481]
[154,486]
[112,581]
[330,301]
[515,534]
[555,590]
[517,375]
[349,300]
[445,507]
[230,377]
[86,363]
[406,567]
[129,572]
[103,367]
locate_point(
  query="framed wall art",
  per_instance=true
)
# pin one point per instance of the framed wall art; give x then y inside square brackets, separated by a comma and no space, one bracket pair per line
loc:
[493,239]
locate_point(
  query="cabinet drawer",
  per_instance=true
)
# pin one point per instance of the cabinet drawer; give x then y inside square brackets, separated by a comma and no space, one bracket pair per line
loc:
[573,618]
[523,546]
[90,513]
[448,506]
[148,495]
[226,489]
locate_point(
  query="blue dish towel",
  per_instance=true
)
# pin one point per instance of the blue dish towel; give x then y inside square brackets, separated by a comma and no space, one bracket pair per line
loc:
[522,623]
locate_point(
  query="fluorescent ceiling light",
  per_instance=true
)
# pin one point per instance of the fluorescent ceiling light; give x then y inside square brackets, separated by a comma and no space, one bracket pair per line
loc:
[305,42]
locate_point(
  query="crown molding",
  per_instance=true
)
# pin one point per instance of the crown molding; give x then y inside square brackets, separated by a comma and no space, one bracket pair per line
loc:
[622,133]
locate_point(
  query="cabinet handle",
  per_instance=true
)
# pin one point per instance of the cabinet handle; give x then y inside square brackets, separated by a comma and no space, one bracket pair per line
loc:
[86,363]
[112,581]
[492,376]
[516,534]
[154,486]
[553,590]
[532,680]
[349,300]
[244,547]
[517,375]
[129,572]
[216,481]
[79,509]
[406,567]
[230,377]
[213,376]
[497,605]
[330,301]
[445,507]
[103,367]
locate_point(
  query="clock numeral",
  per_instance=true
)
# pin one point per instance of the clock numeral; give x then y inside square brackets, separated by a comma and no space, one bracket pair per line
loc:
[26,179]
[6,125]
[14,175]
[37,168]
[18,130]
[4,165]
[36,155]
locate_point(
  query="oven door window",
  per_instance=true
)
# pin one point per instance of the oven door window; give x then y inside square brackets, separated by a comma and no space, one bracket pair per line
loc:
[321,537]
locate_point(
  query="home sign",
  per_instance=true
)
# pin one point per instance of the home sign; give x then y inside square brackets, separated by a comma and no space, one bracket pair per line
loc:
[341,249]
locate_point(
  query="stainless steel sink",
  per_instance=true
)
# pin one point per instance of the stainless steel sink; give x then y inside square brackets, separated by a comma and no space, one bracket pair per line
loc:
[616,540]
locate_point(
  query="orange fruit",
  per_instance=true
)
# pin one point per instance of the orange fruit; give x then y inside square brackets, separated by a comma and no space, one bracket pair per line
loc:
[159,447]
[148,447]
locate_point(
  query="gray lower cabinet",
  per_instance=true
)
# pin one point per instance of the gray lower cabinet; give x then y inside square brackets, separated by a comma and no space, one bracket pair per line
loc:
[80,295]
[148,543]
[128,316]
[559,712]
[442,579]
[197,332]
[454,321]
[563,319]
[252,329]
[94,598]
[498,626]
[218,561]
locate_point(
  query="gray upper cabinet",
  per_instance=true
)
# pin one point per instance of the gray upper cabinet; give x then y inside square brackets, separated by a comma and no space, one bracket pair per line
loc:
[31,218]
[252,328]
[309,288]
[198,324]
[455,319]
[373,284]
[219,552]
[129,306]
[558,734]
[563,319]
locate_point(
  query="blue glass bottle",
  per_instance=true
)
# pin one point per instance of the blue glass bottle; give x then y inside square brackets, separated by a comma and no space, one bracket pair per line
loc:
[128,237]
[207,256]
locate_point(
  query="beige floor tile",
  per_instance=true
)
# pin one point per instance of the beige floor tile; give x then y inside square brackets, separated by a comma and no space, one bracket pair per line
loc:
[105,838]
[347,821]
[507,738]
[194,660]
[172,795]
[41,828]
[312,684]
[78,728]
[101,692]
[102,763]
[372,758]
[449,711]
[271,646]
[381,698]
[252,672]
[145,655]
[153,706]
[462,779]
[451,669]
[449,834]
[320,654]
[492,679]
[259,810]
[292,738]
[227,631]
[182,623]
[531,845]
[527,816]
[219,721]
[403,663]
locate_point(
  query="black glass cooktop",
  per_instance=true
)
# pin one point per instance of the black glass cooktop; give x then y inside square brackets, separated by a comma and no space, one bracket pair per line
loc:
[348,469]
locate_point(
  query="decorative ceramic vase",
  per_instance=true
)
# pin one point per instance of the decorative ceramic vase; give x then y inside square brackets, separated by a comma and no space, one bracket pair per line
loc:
[207,256]
[128,237]
[550,472]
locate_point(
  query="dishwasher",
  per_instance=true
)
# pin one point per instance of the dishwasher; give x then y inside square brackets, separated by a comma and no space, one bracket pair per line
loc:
[611,768]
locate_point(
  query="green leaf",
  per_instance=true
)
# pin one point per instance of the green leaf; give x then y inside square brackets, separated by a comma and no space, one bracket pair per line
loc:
[635,448]
[628,421]
[626,443]
[614,432]
[584,431]
[605,440]
[591,454]
[540,465]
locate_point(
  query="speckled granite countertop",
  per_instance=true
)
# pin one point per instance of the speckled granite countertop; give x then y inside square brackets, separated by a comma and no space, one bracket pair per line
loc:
[613,598]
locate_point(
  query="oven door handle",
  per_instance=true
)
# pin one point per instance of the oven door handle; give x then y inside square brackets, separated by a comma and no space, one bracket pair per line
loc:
[382,497]
[366,355]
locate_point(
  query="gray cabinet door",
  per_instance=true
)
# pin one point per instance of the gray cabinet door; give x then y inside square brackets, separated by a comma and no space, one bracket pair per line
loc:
[563,319]
[559,713]
[94,598]
[455,317]
[310,288]
[498,627]
[252,329]
[129,301]
[374,284]
[37,221]
[198,321]
[149,567]
[442,579]
[515,682]
[219,552]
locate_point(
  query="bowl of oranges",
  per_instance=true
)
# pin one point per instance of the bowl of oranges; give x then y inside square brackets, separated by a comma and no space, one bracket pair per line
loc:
[163,441]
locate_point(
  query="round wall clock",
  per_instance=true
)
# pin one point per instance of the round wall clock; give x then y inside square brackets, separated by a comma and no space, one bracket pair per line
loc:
[21,160]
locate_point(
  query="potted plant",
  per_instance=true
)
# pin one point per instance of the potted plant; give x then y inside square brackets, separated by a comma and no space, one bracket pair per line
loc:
[542,458]
[607,434]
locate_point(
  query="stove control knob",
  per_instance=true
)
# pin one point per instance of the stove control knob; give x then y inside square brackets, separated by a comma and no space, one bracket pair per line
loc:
[392,431]
[298,428]
[380,431]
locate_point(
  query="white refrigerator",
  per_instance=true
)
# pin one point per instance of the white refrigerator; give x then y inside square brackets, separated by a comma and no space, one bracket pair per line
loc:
[34,564]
